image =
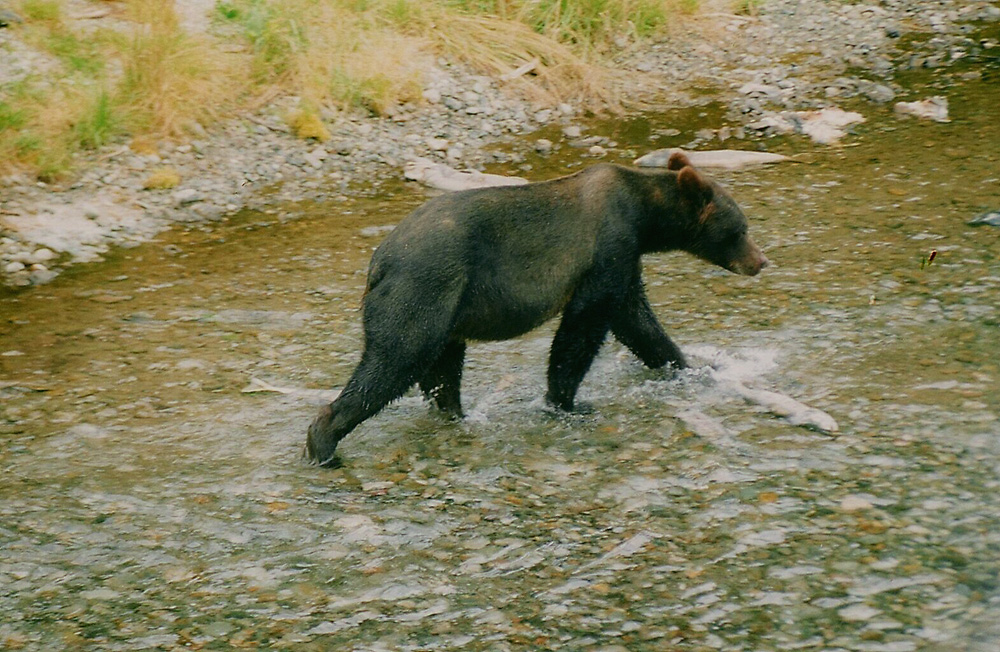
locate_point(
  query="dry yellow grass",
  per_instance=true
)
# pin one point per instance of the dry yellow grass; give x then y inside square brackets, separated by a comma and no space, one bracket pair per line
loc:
[331,53]
[155,80]
[307,124]
[498,47]
[163,178]
[170,78]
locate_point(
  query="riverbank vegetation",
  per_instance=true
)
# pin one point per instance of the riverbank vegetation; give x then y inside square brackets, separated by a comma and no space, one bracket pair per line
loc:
[138,71]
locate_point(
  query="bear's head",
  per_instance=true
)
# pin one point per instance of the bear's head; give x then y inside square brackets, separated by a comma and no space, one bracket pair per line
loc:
[717,228]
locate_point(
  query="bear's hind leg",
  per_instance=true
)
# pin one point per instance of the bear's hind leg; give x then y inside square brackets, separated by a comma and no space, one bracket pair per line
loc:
[442,382]
[379,379]
[574,347]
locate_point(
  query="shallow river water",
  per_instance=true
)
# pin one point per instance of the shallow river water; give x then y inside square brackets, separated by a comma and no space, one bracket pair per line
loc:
[146,502]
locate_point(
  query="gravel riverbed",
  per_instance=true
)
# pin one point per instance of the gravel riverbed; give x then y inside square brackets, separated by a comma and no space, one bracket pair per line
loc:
[791,55]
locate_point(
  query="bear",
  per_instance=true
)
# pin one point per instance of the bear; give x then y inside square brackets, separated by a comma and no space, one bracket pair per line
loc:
[495,263]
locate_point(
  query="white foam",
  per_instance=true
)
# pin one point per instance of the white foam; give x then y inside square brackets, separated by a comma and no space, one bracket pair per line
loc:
[744,365]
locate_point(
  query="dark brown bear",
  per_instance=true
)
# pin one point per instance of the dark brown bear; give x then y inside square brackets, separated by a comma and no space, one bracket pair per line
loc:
[494,263]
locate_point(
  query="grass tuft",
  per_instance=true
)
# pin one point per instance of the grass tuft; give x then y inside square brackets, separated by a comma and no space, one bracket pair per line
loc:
[170,78]
[44,11]
[99,123]
[307,124]
[163,178]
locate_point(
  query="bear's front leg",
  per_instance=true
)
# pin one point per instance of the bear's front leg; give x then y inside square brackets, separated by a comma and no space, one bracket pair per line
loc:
[579,338]
[636,326]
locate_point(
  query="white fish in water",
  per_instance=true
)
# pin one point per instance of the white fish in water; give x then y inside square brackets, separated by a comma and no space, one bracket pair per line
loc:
[313,395]
[797,414]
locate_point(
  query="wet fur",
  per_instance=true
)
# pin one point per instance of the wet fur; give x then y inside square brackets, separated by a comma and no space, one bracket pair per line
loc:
[494,263]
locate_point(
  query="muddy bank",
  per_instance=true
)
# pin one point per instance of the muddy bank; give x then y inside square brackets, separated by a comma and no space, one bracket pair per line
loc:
[789,56]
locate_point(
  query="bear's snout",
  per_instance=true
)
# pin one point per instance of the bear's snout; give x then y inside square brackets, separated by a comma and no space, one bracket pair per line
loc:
[752,262]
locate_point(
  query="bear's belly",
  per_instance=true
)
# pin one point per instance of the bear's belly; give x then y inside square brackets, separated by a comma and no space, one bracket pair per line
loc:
[491,316]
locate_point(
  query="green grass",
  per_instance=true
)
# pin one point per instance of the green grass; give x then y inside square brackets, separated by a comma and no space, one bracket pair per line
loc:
[79,55]
[99,122]
[42,10]
[11,118]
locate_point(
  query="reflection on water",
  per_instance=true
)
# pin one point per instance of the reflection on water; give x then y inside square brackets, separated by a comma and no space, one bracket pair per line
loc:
[146,503]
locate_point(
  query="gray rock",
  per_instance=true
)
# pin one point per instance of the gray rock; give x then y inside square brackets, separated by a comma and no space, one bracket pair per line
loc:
[726,159]
[437,144]
[316,157]
[41,276]
[879,93]
[754,89]
[42,255]
[572,131]
[432,95]
[989,218]
[543,146]
[186,196]
[13,267]
[8,17]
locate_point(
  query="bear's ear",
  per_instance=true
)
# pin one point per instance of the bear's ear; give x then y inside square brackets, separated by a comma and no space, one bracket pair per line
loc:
[694,186]
[678,161]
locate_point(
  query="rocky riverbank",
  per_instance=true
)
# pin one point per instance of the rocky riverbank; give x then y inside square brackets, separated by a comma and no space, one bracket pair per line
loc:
[792,55]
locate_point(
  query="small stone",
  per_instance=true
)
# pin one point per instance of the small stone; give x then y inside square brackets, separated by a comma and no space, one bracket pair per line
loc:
[41,276]
[854,504]
[572,131]
[879,93]
[437,144]
[187,196]
[597,150]
[13,267]
[432,95]
[42,255]
[858,613]
[543,146]
[543,116]
[316,157]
